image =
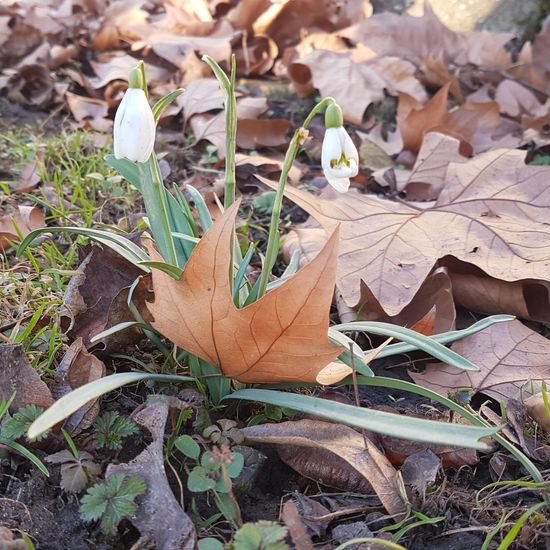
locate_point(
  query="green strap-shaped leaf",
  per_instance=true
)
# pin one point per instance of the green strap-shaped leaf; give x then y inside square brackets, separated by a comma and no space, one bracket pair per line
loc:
[395,425]
[417,340]
[71,402]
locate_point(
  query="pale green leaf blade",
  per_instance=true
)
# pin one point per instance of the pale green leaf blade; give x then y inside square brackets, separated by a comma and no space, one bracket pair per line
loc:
[71,402]
[404,427]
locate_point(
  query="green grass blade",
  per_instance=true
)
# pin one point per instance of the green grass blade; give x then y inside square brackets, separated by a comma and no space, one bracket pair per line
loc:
[71,402]
[404,427]
[417,340]
[26,453]
[516,528]
[447,337]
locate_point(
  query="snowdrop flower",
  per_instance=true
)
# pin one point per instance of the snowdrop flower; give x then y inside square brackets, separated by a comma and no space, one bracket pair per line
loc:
[134,128]
[339,156]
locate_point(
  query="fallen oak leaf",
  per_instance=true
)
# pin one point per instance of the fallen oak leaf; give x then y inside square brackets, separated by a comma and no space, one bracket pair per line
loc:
[281,337]
[346,444]
[495,203]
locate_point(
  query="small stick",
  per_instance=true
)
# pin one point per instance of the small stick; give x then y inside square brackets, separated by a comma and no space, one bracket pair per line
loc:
[356,391]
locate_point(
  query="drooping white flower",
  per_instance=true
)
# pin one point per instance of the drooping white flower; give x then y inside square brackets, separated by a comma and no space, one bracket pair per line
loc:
[134,127]
[339,157]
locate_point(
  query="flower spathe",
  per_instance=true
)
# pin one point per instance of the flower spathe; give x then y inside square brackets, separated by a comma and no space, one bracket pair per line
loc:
[339,157]
[134,127]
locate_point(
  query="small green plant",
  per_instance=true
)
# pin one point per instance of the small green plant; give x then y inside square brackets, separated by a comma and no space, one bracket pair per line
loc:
[224,432]
[271,413]
[111,429]
[8,437]
[262,535]
[214,471]
[17,426]
[78,468]
[112,501]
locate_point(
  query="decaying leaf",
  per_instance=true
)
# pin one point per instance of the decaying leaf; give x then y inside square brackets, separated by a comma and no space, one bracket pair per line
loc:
[94,299]
[510,356]
[281,337]
[18,376]
[30,176]
[296,528]
[159,514]
[420,470]
[27,219]
[344,443]
[76,473]
[78,367]
[496,205]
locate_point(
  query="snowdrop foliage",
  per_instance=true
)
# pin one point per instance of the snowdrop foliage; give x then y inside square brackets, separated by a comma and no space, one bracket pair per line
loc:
[134,127]
[339,156]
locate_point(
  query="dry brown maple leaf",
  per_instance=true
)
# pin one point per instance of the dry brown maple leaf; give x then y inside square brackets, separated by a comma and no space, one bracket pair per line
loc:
[493,212]
[509,356]
[281,337]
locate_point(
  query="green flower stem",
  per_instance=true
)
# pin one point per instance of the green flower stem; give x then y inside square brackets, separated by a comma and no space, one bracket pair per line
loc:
[154,198]
[230,140]
[273,239]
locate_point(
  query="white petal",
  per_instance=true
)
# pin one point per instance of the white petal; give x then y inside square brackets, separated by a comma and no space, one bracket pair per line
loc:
[332,149]
[349,148]
[134,127]
[339,184]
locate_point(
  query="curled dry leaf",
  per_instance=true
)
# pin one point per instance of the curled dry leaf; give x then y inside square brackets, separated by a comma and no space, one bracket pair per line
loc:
[354,85]
[251,131]
[159,513]
[89,112]
[281,337]
[526,299]
[31,85]
[18,376]
[30,176]
[497,206]
[27,219]
[338,441]
[78,367]
[473,123]
[510,357]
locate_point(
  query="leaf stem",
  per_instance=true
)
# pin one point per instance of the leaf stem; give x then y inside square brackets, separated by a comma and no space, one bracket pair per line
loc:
[154,198]
[273,239]
[230,140]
